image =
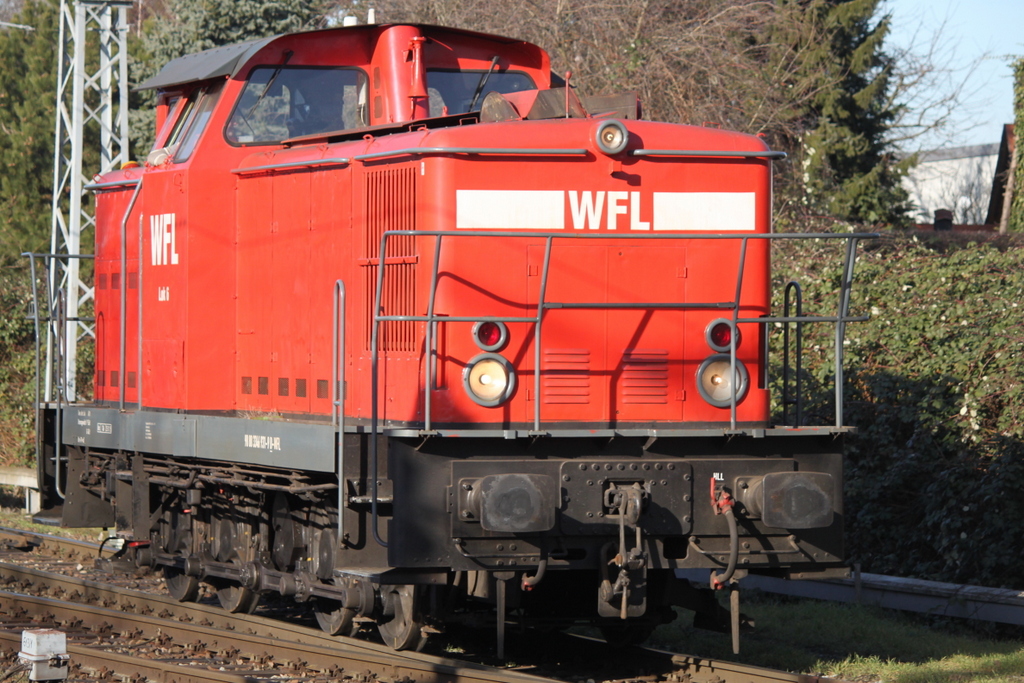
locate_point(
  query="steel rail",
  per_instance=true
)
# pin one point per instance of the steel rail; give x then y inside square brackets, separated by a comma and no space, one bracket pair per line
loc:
[316,650]
[933,597]
[720,671]
[341,652]
[91,658]
[123,599]
[187,622]
[31,540]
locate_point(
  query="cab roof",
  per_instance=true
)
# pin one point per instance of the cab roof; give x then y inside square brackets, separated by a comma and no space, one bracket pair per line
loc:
[200,66]
[227,60]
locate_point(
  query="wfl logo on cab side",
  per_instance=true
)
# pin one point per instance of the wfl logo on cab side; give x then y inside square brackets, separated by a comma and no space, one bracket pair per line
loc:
[609,210]
[163,235]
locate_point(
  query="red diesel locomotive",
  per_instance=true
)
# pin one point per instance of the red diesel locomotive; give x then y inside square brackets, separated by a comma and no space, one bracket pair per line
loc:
[392,322]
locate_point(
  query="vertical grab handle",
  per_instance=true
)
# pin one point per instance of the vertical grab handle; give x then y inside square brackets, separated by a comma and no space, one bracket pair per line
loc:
[338,396]
[795,399]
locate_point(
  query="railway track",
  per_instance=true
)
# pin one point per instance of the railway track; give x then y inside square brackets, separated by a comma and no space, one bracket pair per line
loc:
[124,630]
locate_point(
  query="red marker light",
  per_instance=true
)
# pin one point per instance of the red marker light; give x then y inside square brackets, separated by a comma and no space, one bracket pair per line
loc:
[721,334]
[488,333]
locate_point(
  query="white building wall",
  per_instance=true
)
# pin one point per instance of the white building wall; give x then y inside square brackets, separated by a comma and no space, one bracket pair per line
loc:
[958,179]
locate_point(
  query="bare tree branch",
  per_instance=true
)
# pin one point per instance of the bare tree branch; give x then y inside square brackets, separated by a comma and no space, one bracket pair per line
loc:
[933,93]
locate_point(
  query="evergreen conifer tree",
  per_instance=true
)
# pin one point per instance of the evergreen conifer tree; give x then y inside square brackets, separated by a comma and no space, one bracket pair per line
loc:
[28,81]
[849,168]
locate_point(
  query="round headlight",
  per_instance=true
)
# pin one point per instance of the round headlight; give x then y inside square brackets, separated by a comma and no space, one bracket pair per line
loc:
[719,333]
[490,335]
[611,136]
[489,379]
[716,382]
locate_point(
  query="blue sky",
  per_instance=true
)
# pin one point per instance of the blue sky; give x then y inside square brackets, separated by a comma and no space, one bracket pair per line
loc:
[968,30]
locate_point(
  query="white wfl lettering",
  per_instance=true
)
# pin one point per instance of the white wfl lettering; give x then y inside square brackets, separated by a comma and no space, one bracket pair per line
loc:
[163,240]
[587,209]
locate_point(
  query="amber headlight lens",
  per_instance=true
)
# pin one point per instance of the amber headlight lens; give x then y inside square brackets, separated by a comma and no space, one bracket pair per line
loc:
[489,379]
[715,380]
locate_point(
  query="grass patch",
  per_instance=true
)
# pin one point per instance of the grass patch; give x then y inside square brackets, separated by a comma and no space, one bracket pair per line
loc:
[854,643]
[12,514]
[17,519]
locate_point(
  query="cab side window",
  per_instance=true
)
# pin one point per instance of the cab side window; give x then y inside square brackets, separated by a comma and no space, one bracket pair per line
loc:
[198,117]
[174,104]
[281,102]
[185,124]
[454,90]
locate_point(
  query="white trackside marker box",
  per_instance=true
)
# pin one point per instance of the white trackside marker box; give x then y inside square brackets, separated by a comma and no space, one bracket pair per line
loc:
[45,651]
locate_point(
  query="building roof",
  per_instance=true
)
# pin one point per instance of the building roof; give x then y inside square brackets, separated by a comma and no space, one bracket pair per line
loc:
[967,152]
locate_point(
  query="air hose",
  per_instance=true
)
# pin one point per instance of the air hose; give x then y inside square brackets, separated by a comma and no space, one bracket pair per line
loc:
[722,503]
[530,581]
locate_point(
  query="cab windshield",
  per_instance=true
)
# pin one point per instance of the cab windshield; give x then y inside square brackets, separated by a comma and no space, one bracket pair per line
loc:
[281,102]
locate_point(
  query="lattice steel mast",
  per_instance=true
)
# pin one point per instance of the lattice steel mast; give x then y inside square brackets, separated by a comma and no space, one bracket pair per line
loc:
[91,93]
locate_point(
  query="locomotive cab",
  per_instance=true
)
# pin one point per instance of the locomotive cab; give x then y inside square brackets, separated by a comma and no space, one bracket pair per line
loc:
[386,318]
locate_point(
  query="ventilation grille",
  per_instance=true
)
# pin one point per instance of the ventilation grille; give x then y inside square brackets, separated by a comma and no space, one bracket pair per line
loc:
[390,202]
[566,376]
[644,376]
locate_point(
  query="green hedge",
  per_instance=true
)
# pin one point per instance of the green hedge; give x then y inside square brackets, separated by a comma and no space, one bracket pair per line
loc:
[935,386]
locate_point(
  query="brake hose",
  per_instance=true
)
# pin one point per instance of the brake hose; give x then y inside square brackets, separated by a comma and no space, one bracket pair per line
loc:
[530,581]
[723,503]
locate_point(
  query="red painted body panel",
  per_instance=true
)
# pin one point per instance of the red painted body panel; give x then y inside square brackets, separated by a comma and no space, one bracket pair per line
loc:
[110,206]
[239,269]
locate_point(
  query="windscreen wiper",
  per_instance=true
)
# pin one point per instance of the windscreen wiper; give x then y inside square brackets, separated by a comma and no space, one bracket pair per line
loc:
[273,77]
[483,82]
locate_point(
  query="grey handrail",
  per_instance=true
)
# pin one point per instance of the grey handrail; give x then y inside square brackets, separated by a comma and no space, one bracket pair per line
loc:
[122,340]
[796,401]
[431,318]
[53,308]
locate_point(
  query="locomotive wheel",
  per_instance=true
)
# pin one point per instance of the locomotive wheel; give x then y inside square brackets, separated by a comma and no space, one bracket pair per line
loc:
[228,545]
[177,538]
[404,629]
[334,619]
[283,533]
[181,586]
[235,598]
